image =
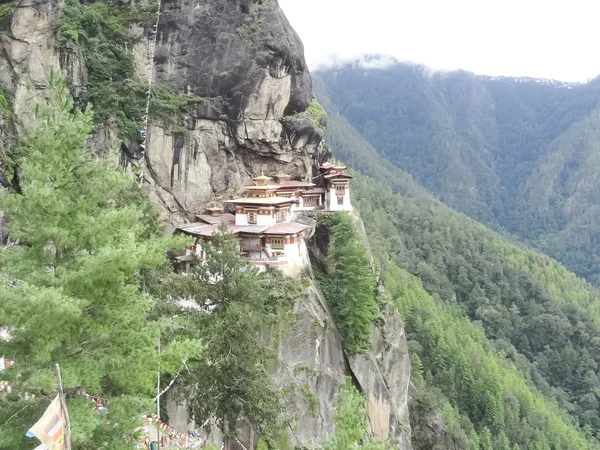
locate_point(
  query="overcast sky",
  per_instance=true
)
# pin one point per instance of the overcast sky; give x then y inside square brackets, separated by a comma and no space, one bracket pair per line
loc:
[538,38]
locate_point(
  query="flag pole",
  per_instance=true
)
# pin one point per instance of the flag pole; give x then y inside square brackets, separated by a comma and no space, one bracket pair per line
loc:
[158,398]
[63,404]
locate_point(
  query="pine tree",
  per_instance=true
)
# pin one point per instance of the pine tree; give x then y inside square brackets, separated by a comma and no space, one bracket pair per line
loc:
[540,442]
[231,380]
[485,439]
[71,287]
[350,287]
[501,442]
[350,421]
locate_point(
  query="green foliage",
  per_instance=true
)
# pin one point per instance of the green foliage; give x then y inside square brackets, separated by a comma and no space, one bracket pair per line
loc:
[231,379]
[472,274]
[101,30]
[5,102]
[463,364]
[349,285]
[316,114]
[518,155]
[542,317]
[311,399]
[6,12]
[71,292]
[170,107]
[350,421]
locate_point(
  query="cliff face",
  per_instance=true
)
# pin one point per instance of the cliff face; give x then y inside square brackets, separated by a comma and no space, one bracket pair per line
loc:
[313,368]
[243,65]
[240,60]
[246,63]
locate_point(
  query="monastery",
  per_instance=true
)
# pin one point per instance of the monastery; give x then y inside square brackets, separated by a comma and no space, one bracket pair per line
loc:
[264,221]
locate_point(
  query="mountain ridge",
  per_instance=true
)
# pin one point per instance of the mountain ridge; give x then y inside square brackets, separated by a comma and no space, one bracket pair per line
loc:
[481,144]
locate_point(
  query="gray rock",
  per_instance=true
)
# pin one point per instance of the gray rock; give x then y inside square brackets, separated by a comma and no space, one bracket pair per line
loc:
[244,59]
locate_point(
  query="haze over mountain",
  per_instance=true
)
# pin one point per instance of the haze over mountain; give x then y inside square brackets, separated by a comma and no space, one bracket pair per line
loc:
[517,154]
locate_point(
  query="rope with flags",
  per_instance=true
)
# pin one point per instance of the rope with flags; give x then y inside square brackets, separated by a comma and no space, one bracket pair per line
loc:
[150,73]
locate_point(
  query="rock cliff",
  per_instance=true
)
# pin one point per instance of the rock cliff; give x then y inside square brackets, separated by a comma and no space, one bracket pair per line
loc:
[239,60]
[240,66]
[246,63]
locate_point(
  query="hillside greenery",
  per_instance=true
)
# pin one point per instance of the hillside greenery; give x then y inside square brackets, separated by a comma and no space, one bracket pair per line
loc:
[536,321]
[518,155]
[83,240]
[501,341]
[348,282]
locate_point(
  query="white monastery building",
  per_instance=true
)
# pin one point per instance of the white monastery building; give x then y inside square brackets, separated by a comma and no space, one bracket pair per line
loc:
[263,221]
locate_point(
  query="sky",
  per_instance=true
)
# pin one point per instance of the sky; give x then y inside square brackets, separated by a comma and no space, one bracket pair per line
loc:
[555,39]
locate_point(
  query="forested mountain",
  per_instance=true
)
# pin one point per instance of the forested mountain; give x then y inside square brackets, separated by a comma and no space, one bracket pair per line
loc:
[492,327]
[519,155]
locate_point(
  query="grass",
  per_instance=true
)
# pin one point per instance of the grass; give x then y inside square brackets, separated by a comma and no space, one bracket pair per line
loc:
[5,102]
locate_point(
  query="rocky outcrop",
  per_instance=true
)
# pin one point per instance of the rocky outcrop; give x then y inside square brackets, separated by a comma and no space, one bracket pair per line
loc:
[383,373]
[312,368]
[28,52]
[241,57]
[245,61]
[384,376]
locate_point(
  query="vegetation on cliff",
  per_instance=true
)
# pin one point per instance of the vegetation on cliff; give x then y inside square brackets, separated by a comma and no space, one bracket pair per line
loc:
[101,31]
[6,12]
[236,306]
[351,422]
[70,290]
[317,114]
[5,102]
[349,283]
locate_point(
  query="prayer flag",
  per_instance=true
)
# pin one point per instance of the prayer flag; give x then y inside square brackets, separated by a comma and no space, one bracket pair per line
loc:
[50,428]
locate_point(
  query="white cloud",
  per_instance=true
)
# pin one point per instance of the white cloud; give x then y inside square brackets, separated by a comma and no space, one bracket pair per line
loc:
[537,38]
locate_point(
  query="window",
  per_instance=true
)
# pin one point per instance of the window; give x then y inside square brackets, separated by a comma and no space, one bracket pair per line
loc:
[340,189]
[251,216]
[277,243]
[340,199]
[310,201]
[280,216]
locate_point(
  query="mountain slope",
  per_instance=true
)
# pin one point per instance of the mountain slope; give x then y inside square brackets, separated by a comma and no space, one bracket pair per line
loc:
[515,154]
[543,319]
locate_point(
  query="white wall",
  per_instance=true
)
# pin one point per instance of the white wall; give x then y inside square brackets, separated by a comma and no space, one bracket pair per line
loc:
[241,219]
[333,203]
[265,219]
[261,219]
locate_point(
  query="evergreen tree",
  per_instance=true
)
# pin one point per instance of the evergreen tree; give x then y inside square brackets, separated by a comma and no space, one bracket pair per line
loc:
[350,421]
[350,285]
[71,287]
[501,442]
[485,439]
[237,307]
[540,442]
